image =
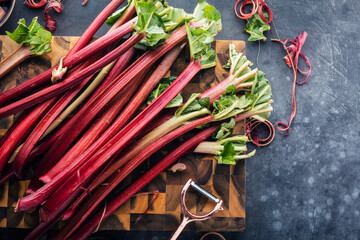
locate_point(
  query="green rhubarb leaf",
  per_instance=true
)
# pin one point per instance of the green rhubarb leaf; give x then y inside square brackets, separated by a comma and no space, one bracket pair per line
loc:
[256,27]
[117,14]
[233,148]
[261,89]
[174,18]
[232,56]
[261,93]
[196,104]
[224,130]
[208,59]
[226,100]
[227,154]
[204,11]
[200,38]
[236,61]
[33,35]
[161,87]
[150,22]
[199,41]
[41,42]
[145,11]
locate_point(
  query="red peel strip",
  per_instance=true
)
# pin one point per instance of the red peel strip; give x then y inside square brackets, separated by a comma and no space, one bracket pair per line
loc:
[251,132]
[261,14]
[293,51]
[241,13]
[33,4]
[50,22]
[156,193]
[257,6]
[84,2]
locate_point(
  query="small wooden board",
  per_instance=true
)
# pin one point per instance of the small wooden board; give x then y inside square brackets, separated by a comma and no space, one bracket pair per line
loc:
[226,182]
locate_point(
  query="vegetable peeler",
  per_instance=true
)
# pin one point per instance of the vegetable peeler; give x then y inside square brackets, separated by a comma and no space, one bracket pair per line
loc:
[190,217]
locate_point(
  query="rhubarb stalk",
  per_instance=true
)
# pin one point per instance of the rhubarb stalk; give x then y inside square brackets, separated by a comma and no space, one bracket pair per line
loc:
[134,70]
[132,106]
[83,54]
[69,82]
[19,134]
[122,139]
[228,100]
[141,182]
[85,209]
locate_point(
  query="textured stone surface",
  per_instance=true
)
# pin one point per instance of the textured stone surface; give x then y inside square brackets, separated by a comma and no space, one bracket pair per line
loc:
[305,185]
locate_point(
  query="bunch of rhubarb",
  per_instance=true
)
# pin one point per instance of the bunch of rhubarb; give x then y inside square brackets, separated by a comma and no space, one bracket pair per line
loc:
[84,118]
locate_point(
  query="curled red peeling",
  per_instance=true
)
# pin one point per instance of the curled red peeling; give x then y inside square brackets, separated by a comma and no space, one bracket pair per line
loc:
[50,22]
[36,4]
[293,52]
[256,6]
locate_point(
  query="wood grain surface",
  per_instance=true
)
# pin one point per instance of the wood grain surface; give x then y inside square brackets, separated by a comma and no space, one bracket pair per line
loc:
[226,182]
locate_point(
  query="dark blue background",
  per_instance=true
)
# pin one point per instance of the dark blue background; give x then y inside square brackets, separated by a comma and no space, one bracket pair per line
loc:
[305,185]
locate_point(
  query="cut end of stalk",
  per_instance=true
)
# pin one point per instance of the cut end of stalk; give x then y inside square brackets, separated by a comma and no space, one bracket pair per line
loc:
[68,214]
[57,74]
[45,179]
[29,191]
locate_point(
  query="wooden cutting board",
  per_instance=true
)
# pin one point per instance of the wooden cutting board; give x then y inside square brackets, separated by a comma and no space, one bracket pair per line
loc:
[226,182]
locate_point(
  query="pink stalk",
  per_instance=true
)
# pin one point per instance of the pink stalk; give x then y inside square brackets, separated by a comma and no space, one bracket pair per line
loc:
[125,17]
[215,92]
[95,25]
[141,182]
[118,176]
[119,141]
[142,63]
[69,82]
[19,134]
[29,144]
[45,122]
[14,126]
[95,131]
[83,54]
[132,106]
[48,163]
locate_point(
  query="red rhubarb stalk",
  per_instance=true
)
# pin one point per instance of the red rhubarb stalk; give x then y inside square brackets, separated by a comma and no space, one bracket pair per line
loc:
[136,68]
[95,130]
[118,176]
[130,11]
[45,122]
[69,82]
[132,161]
[16,123]
[47,163]
[83,54]
[95,25]
[132,106]
[121,140]
[139,145]
[141,182]
[19,134]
